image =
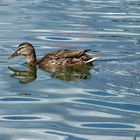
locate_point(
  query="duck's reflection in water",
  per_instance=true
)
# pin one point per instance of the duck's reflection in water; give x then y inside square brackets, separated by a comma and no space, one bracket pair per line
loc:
[73,73]
[24,76]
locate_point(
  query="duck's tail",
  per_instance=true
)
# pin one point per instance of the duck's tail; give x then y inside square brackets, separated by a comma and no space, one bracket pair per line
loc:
[92,59]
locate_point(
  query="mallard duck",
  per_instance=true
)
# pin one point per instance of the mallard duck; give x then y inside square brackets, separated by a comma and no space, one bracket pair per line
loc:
[55,58]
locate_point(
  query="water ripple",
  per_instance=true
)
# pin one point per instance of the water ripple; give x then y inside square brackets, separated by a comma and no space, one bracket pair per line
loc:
[109,125]
[18,99]
[53,38]
[113,105]
[21,118]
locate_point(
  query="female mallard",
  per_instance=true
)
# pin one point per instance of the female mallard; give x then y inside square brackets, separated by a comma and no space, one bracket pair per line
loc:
[55,58]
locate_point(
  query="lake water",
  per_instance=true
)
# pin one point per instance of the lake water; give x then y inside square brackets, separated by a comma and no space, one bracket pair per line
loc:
[101,102]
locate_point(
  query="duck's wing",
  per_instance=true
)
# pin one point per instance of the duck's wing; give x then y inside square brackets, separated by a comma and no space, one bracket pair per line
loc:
[68,53]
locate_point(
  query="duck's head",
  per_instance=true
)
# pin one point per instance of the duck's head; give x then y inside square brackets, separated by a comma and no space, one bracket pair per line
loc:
[25,49]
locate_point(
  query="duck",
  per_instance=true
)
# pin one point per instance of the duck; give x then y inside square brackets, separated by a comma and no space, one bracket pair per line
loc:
[57,58]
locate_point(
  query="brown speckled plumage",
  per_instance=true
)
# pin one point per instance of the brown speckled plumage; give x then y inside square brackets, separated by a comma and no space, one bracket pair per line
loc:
[65,58]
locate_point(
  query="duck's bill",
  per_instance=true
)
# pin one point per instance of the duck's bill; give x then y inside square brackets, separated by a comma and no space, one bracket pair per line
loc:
[13,55]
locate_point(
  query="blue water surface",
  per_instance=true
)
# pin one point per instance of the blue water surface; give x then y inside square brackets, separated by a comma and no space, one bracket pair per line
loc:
[99,102]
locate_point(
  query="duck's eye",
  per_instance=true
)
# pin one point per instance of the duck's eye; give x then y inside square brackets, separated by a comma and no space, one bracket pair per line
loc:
[20,48]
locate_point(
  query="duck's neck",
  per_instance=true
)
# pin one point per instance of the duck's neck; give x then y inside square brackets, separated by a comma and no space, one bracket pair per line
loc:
[31,59]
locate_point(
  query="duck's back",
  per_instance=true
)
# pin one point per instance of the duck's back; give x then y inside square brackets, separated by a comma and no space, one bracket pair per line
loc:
[64,58]
[67,53]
